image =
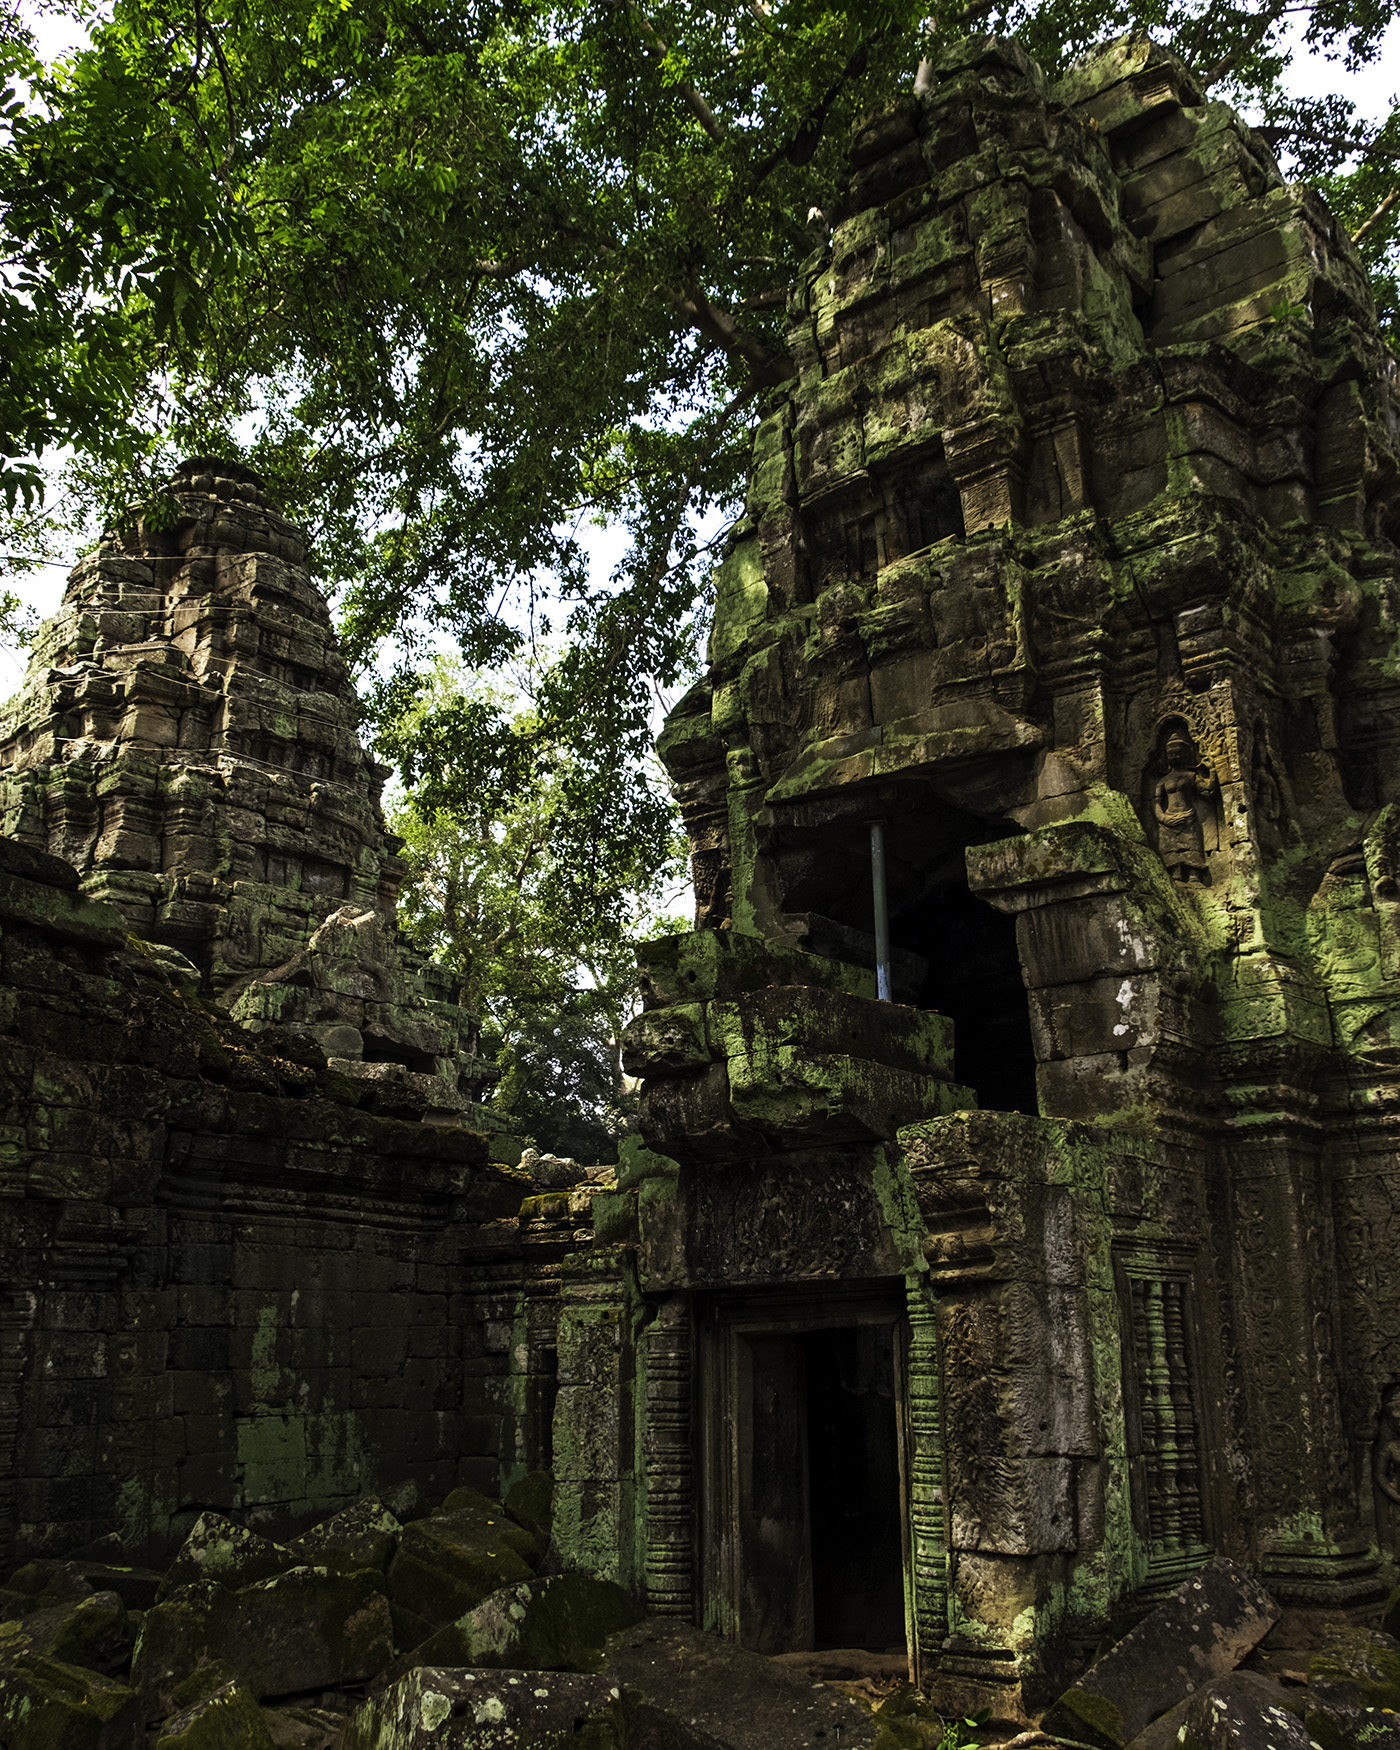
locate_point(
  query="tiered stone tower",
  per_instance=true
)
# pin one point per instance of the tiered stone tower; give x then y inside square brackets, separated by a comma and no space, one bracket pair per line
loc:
[186,737]
[1071,565]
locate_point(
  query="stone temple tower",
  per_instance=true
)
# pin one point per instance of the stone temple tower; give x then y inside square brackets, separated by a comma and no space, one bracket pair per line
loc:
[1064,618]
[186,737]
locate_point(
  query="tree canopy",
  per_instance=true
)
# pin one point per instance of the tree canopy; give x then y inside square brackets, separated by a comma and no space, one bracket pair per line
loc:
[533,889]
[458,276]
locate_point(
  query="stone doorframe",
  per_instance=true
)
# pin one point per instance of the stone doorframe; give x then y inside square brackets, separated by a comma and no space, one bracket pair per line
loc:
[725,1319]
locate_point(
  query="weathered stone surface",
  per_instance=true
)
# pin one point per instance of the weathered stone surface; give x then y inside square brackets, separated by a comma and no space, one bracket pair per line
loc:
[136,1587]
[185,736]
[1070,562]
[1201,1633]
[363,1536]
[558,1623]
[229,1719]
[531,1502]
[1339,1724]
[1357,1666]
[264,1306]
[179,1637]
[304,1728]
[468,1500]
[218,1549]
[93,1632]
[1073,365]
[308,1628]
[41,1585]
[1241,1712]
[481,1710]
[45,1704]
[446,1565]
[738,1698]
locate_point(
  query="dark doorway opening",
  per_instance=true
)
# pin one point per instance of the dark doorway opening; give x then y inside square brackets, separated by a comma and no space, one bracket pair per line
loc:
[821,1501]
[853,1464]
[974,977]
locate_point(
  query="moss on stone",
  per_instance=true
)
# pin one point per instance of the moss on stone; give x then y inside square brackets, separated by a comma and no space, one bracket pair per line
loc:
[446,1565]
[229,1719]
[47,1705]
[530,1501]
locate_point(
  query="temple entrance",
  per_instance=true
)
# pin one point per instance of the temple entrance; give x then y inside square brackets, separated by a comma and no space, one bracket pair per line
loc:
[808,1508]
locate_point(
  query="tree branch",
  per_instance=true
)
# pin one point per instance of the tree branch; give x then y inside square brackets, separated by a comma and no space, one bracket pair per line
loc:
[1256,35]
[773,299]
[719,327]
[801,147]
[694,101]
[1376,217]
[1274,133]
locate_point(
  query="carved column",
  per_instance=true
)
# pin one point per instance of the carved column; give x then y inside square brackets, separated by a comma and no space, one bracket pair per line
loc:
[668,1463]
[928,1527]
[594,1416]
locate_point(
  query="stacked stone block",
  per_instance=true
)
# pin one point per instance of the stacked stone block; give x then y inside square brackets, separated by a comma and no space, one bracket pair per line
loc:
[225,1280]
[1071,559]
[186,737]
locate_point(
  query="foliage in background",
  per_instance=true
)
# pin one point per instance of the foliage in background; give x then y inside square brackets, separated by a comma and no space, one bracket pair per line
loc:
[112,231]
[456,276]
[460,276]
[513,887]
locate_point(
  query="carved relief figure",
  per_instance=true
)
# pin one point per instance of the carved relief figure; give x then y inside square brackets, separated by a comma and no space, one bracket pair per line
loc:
[1385,1455]
[1180,802]
[1267,791]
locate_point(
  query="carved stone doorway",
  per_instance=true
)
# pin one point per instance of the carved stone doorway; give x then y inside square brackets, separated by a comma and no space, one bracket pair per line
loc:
[805,1492]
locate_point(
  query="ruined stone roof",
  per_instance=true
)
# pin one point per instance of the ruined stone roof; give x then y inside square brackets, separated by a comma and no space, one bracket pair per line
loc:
[186,736]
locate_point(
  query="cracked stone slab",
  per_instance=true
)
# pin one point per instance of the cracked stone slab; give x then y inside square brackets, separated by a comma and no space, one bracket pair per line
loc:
[1198,1635]
[742,1699]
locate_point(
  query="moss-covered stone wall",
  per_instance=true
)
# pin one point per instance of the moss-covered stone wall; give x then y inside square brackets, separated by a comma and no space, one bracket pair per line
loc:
[1072,561]
[226,1283]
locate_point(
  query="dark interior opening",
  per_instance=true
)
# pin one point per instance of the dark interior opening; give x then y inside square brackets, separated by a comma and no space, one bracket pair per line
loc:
[380,1050]
[821,1508]
[853,1466]
[542,1393]
[974,977]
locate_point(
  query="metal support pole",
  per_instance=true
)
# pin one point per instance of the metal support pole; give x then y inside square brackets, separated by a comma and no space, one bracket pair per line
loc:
[882,910]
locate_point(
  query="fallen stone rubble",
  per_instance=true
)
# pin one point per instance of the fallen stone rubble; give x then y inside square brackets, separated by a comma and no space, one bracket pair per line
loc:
[458,1631]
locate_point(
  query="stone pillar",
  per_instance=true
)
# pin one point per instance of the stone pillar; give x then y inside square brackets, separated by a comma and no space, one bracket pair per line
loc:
[594,1428]
[1307,1524]
[666,1350]
[928,1511]
[1101,936]
[1000,1195]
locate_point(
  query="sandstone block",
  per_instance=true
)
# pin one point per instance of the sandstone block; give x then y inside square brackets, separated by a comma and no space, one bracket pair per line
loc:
[446,1565]
[1202,1632]
[1241,1712]
[559,1623]
[308,1628]
[91,1632]
[178,1637]
[531,1503]
[363,1536]
[479,1710]
[1359,1667]
[48,1705]
[230,1719]
[218,1549]
[1344,1725]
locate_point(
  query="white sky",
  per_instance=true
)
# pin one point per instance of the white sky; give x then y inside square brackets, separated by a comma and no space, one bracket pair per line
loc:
[1373,91]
